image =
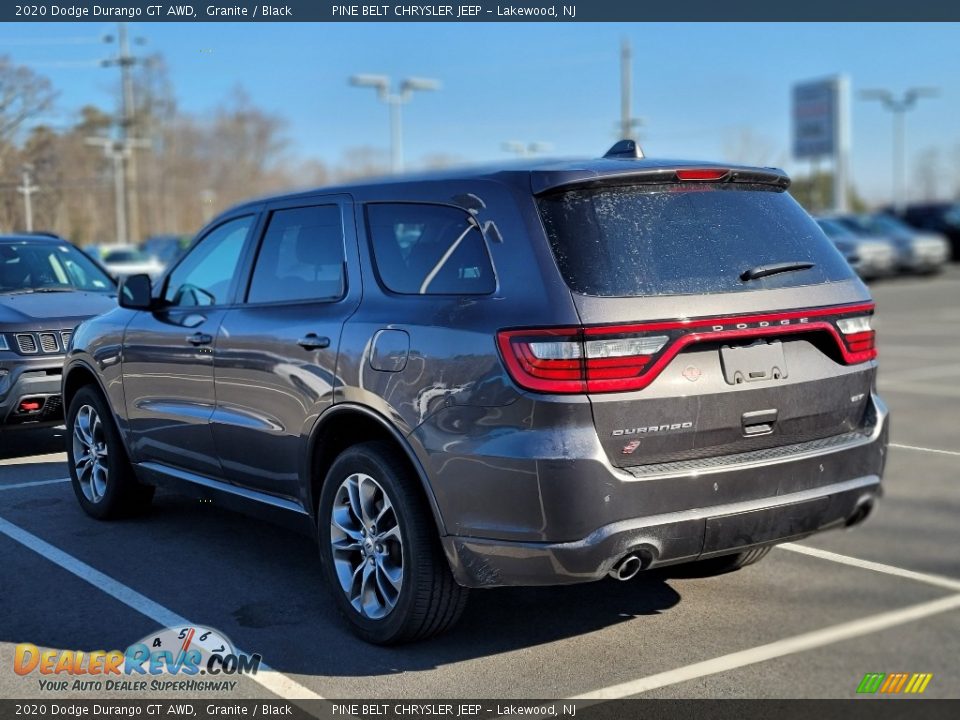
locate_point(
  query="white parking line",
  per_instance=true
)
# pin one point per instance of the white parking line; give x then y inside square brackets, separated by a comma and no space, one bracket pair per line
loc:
[929,579]
[17,486]
[277,683]
[31,459]
[777,649]
[924,449]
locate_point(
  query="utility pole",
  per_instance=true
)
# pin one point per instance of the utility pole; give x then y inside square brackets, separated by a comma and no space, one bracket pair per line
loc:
[125,61]
[899,107]
[381,83]
[27,188]
[118,151]
[628,123]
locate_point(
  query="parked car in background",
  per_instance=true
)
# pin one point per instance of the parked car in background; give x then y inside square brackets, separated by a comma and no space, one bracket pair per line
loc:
[871,257]
[47,287]
[938,217]
[920,251]
[124,260]
[535,374]
[166,248]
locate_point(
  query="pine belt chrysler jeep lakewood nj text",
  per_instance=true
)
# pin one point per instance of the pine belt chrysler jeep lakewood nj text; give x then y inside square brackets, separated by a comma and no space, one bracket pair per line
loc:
[526,375]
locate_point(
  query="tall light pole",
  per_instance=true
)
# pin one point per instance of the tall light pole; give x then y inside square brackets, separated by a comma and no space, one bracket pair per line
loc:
[395,99]
[899,107]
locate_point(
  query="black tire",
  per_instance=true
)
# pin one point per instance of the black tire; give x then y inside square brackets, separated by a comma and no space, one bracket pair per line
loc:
[429,600]
[722,564]
[122,495]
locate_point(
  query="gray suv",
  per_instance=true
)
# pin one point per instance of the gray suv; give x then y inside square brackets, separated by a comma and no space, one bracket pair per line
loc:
[532,374]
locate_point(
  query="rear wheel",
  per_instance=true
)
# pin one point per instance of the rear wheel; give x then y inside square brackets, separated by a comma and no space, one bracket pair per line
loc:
[100,471]
[380,552]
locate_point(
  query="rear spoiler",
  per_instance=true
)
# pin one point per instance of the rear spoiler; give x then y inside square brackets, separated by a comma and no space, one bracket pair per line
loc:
[543,183]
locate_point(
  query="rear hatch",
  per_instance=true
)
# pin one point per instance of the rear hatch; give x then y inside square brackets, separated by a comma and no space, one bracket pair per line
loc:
[716,317]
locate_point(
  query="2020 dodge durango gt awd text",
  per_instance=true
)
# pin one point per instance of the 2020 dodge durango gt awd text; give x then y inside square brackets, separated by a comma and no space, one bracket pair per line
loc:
[526,375]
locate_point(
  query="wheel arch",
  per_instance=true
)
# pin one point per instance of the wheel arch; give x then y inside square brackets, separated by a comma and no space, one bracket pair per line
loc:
[76,376]
[79,374]
[347,424]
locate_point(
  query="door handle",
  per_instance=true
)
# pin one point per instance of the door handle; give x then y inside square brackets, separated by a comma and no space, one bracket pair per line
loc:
[199,338]
[312,341]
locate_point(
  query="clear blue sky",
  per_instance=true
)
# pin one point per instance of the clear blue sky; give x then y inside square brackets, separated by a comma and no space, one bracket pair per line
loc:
[698,86]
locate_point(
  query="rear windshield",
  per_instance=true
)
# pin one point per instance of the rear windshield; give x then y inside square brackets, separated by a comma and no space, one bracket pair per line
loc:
[683,239]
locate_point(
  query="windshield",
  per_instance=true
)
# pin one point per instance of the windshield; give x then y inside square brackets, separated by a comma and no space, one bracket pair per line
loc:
[678,239]
[45,266]
[835,230]
[886,224]
[125,256]
[952,216]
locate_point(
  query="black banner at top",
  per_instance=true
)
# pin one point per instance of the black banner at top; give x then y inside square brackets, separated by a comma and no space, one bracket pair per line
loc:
[481,11]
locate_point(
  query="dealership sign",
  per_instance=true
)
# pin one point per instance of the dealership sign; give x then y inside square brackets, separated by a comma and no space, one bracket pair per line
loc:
[816,118]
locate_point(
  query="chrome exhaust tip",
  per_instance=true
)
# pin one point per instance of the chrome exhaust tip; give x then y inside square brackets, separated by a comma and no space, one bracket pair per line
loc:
[626,568]
[861,512]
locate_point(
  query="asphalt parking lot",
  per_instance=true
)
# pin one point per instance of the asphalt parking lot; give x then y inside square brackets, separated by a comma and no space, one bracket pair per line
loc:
[807,622]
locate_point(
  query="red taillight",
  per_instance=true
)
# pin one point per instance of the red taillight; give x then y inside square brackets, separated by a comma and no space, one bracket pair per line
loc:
[858,336]
[30,406]
[576,360]
[629,357]
[548,360]
[702,174]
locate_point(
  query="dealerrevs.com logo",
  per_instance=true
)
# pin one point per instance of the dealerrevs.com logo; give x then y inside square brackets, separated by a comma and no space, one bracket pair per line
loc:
[168,661]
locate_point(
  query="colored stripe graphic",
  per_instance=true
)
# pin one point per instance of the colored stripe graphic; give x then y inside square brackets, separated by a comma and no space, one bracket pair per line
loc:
[893,683]
[870,683]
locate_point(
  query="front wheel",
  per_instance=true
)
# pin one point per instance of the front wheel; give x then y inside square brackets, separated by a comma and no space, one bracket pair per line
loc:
[100,471]
[380,552]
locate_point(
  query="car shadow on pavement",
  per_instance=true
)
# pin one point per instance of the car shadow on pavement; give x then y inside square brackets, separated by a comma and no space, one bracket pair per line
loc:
[262,586]
[21,442]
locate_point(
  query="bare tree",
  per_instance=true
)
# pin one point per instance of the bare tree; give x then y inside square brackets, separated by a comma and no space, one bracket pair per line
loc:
[23,96]
[362,162]
[745,146]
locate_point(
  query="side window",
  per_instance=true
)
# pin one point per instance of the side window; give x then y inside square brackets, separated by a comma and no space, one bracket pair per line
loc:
[429,250]
[301,257]
[203,276]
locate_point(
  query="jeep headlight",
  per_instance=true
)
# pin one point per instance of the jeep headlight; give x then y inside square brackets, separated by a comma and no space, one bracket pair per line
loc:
[3,342]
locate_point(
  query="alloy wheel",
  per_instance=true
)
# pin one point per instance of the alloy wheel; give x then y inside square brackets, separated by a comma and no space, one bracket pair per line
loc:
[90,453]
[367,546]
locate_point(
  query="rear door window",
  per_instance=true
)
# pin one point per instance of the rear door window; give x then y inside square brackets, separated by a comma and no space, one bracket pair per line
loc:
[301,258]
[422,249]
[678,239]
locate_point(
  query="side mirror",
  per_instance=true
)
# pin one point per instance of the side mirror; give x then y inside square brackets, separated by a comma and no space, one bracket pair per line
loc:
[136,292]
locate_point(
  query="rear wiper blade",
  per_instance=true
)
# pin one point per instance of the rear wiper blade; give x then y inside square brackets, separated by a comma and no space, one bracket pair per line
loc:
[760,271]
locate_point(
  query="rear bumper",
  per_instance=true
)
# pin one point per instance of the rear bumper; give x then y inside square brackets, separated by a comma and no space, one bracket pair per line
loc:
[878,265]
[662,539]
[826,485]
[31,379]
[924,258]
